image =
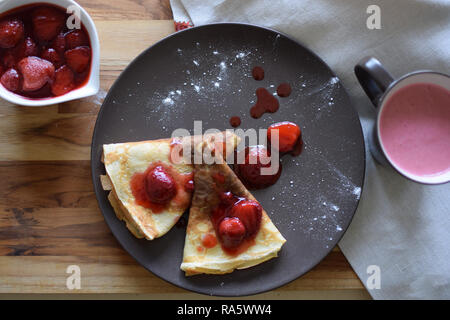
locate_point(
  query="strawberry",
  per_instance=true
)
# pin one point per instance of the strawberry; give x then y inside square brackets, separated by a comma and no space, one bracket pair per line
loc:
[26,48]
[231,232]
[47,22]
[11,80]
[36,72]
[11,31]
[288,134]
[250,213]
[78,58]
[160,186]
[227,198]
[54,57]
[76,38]
[250,170]
[59,43]
[63,82]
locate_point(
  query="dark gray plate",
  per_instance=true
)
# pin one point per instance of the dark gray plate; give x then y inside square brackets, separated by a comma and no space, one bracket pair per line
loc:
[204,73]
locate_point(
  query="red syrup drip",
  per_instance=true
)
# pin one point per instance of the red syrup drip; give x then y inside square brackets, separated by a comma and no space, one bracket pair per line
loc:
[235,121]
[284,90]
[258,73]
[265,102]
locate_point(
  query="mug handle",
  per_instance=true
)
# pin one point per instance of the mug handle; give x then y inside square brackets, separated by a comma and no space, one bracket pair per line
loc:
[373,78]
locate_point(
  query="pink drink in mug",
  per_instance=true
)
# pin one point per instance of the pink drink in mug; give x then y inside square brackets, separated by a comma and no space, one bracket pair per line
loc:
[414,129]
[412,132]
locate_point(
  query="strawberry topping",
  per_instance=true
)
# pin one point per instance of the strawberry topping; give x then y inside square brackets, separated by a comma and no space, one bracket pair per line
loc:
[75,38]
[288,135]
[26,48]
[11,80]
[11,32]
[160,186]
[232,232]
[250,213]
[47,22]
[209,240]
[36,72]
[59,43]
[78,59]
[250,170]
[53,56]
[63,82]
[236,221]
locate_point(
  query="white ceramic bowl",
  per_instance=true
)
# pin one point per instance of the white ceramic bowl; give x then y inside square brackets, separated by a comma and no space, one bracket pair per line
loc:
[92,85]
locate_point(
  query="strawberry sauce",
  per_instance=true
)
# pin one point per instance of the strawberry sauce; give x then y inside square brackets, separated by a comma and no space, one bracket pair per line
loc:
[266,102]
[237,221]
[209,240]
[160,185]
[258,73]
[284,90]
[235,121]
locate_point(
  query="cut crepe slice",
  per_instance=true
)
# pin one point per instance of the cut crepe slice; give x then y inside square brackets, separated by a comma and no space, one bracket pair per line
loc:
[123,160]
[199,259]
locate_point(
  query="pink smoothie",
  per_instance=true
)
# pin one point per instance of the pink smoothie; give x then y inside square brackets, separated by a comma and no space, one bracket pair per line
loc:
[415,129]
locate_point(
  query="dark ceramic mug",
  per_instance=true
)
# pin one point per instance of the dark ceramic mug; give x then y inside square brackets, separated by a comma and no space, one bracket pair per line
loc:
[380,86]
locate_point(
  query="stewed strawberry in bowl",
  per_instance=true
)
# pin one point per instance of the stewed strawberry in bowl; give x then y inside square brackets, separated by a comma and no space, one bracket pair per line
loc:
[49,52]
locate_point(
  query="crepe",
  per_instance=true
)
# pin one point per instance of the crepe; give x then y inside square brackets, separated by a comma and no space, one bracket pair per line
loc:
[123,160]
[199,259]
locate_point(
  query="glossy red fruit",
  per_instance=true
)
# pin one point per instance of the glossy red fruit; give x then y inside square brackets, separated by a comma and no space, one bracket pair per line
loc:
[288,134]
[11,32]
[36,72]
[59,43]
[54,57]
[26,48]
[160,186]
[250,214]
[76,38]
[11,80]
[63,81]
[227,198]
[232,232]
[78,58]
[47,22]
[250,171]
[189,186]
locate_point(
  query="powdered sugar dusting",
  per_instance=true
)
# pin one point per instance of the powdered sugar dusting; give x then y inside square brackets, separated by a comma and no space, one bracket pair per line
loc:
[357,192]
[168,101]
[206,75]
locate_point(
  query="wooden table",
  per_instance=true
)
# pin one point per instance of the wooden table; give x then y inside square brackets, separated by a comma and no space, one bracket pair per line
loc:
[49,215]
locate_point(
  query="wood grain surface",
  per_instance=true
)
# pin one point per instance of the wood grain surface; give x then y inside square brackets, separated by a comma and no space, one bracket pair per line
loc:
[49,218]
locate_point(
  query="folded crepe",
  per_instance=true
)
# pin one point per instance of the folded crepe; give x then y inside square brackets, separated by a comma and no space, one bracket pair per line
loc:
[213,259]
[124,160]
